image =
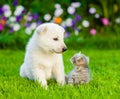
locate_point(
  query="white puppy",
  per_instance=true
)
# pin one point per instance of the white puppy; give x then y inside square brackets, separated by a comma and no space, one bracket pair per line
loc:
[43,58]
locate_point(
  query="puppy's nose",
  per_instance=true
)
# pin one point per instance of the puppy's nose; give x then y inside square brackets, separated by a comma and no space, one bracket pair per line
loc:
[64,49]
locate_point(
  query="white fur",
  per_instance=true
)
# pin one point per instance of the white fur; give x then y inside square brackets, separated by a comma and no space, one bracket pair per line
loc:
[43,58]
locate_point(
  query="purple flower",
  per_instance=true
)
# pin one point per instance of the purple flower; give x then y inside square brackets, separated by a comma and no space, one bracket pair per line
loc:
[1,27]
[18,18]
[24,11]
[15,3]
[35,16]
[73,23]
[39,22]
[4,18]
[1,11]
[28,24]
[78,17]
[11,30]
[67,34]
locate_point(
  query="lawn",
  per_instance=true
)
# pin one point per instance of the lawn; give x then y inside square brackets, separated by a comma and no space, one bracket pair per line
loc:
[105,84]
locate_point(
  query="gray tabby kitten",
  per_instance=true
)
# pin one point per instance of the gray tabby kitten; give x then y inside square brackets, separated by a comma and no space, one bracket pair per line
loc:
[80,74]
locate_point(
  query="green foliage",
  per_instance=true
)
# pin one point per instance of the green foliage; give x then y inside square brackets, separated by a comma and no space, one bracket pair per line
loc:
[104,66]
[16,40]
[107,36]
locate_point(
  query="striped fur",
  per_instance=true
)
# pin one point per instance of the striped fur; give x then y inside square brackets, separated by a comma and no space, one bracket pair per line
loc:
[80,74]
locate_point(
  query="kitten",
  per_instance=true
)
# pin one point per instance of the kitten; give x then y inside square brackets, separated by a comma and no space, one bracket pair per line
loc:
[80,74]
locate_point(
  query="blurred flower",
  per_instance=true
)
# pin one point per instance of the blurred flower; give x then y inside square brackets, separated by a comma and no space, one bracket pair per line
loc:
[76,4]
[57,6]
[7,13]
[11,30]
[12,19]
[92,10]
[23,12]
[39,22]
[58,12]
[2,22]
[117,20]
[71,10]
[76,32]
[33,26]
[93,31]
[15,3]
[18,10]
[73,23]
[58,20]
[105,21]
[1,11]
[47,17]
[27,24]
[1,27]
[18,18]
[29,17]
[68,22]
[63,24]
[85,23]
[78,18]
[67,34]
[115,8]
[35,16]
[97,16]
[28,31]
[5,7]
[16,27]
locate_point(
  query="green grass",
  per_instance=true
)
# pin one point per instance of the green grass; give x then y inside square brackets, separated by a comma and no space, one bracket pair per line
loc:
[105,84]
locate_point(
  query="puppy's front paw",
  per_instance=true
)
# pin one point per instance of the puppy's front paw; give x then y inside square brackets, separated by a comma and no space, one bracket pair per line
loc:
[61,81]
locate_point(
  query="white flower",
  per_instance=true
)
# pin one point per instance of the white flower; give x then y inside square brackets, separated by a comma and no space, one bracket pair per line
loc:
[63,24]
[6,7]
[28,31]
[57,6]
[16,27]
[117,20]
[97,16]
[58,12]
[12,19]
[47,17]
[33,26]
[71,10]
[18,10]
[7,13]
[92,10]
[85,23]
[68,22]
[76,32]
[76,4]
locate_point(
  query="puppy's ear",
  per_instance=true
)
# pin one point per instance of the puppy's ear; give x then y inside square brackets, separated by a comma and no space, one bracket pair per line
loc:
[42,30]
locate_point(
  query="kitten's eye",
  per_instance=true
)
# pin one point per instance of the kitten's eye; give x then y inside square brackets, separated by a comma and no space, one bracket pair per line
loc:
[55,39]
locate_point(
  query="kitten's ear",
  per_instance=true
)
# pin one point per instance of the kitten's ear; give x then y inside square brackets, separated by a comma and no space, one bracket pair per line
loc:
[71,60]
[87,59]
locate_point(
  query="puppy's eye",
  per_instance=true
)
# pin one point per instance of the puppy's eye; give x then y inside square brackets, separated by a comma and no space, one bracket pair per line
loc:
[55,39]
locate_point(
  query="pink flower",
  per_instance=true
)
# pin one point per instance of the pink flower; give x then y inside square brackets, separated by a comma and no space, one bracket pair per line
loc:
[105,21]
[93,31]
[1,27]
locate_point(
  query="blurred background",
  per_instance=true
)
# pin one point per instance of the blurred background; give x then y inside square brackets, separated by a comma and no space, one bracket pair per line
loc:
[88,23]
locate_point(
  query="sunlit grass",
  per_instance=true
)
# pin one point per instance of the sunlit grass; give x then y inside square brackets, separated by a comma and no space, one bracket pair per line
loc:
[105,84]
